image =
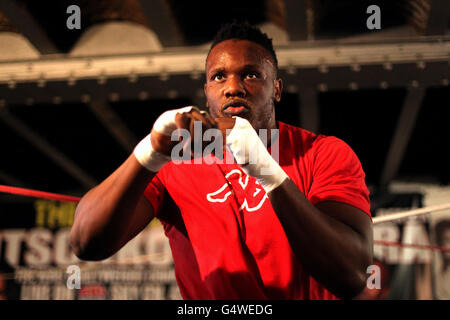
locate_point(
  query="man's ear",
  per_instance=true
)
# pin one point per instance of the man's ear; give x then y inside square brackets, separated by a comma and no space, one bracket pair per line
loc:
[278,88]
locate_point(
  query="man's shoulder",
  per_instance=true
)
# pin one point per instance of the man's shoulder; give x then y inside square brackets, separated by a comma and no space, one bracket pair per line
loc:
[296,132]
[307,137]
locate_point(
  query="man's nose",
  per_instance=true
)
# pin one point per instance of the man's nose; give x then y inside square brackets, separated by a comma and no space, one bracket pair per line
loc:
[234,88]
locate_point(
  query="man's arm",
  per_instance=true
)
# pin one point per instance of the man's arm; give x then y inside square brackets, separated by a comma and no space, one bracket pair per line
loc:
[332,240]
[115,211]
[112,213]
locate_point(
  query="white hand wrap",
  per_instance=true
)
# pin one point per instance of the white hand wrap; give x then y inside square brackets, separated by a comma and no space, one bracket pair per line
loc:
[148,157]
[144,152]
[251,154]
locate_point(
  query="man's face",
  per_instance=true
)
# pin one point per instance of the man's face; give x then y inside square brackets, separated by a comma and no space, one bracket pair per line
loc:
[241,81]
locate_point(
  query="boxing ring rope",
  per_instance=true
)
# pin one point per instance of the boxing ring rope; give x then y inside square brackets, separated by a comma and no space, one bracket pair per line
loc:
[61,197]
[38,194]
[411,213]
[148,258]
[413,246]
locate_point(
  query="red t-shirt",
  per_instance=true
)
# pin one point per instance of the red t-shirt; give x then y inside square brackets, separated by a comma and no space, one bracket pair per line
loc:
[226,240]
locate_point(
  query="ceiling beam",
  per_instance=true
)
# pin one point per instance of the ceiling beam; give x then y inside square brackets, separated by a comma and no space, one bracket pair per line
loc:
[402,134]
[115,126]
[46,148]
[297,20]
[28,26]
[438,18]
[162,22]
[188,61]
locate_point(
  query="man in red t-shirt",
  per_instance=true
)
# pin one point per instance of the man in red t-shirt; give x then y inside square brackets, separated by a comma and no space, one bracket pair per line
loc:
[253,227]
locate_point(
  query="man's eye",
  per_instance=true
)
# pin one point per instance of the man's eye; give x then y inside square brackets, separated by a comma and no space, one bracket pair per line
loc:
[218,77]
[252,75]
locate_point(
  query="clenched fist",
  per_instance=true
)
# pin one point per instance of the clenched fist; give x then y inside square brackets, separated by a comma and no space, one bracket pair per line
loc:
[170,121]
[250,153]
[154,151]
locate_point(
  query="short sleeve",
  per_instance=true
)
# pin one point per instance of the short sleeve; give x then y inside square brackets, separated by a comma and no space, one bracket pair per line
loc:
[155,194]
[338,175]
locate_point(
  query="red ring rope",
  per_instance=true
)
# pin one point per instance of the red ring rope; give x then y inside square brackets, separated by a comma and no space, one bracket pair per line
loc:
[38,194]
[61,197]
[410,245]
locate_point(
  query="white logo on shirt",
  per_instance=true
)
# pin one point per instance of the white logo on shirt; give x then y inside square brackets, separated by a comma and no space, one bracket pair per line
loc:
[222,194]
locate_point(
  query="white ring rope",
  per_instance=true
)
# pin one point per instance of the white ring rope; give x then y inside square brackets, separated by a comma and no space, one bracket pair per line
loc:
[410,213]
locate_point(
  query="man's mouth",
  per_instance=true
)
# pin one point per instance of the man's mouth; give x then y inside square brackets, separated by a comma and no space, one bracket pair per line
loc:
[235,107]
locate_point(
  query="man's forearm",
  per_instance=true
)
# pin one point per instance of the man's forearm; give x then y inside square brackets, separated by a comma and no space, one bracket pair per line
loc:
[336,255]
[112,213]
[332,247]
[106,216]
